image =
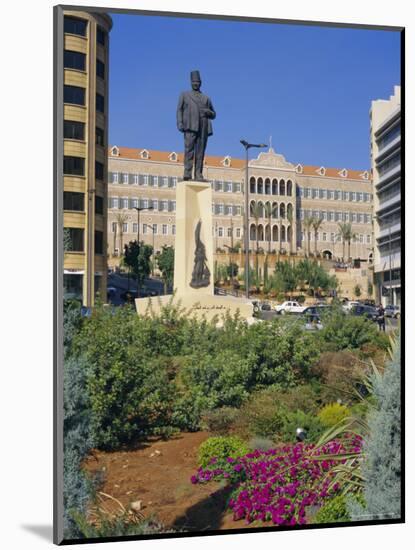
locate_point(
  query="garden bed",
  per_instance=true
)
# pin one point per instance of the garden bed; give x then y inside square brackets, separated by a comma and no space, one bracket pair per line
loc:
[162,483]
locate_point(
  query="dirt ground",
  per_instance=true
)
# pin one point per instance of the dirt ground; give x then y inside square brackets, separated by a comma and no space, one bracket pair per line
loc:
[158,473]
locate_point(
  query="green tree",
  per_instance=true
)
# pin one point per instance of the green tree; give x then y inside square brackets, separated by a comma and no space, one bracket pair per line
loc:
[288,276]
[165,263]
[357,291]
[232,270]
[310,273]
[138,258]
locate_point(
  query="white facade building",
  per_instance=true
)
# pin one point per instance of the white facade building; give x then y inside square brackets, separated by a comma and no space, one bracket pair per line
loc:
[385,119]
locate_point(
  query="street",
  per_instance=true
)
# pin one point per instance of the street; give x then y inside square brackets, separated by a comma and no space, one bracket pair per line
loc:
[121,284]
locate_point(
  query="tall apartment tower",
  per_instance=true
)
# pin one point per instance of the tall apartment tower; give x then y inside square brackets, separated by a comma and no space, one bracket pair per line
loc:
[85,134]
[385,138]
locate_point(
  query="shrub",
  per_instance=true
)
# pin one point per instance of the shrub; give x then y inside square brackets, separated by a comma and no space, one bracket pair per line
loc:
[261,416]
[335,510]
[219,449]
[298,419]
[342,331]
[130,396]
[77,440]
[339,374]
[261,444]
[381,466]
[220,421]
[265,413]
[332,414]
[117,525]
[302,397]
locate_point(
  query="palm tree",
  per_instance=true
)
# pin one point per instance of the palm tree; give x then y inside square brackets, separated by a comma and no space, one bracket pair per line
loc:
[350,235]
[115,236]
[347,235]
[316,226]
[290,221]
[341,236]
[308,222]
[121,219]
[256,212]
[269,214]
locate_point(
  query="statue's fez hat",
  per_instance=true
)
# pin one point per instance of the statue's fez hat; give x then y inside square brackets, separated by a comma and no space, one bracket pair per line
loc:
[195,76]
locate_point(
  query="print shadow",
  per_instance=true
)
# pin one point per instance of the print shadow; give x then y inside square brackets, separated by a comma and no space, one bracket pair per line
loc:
[206,514]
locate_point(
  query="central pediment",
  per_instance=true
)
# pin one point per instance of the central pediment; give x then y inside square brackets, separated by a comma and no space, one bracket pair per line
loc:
[271,159]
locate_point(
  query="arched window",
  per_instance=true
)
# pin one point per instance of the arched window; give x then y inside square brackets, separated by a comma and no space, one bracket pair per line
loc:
[252,185]
[283,233]
[289,188]
[267,186]
[275,233]
[289,233]
[260,186]
[275,210]
[275,187]
[267,233]
[261,209]
[282,210]
[252,207]
[252,232]
[282,187]
[289,209]
[260,232]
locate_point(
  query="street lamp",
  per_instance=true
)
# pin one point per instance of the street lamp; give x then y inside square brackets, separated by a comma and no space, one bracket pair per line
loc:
[246,213]
[154,250]
[138,220]
[138,236]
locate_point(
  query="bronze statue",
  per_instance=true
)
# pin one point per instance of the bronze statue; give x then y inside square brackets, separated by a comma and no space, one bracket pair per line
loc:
[194,114]
[201,273]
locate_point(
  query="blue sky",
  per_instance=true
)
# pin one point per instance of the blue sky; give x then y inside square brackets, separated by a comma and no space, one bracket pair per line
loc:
[309,88]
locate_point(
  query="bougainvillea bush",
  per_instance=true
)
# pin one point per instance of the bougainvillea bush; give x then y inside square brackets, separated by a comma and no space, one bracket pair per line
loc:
[278,485]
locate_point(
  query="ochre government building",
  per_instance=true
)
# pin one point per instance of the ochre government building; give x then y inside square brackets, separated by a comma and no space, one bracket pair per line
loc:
[147,179]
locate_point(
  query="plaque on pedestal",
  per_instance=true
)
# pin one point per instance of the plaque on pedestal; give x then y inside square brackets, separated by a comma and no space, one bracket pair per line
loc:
[193,260]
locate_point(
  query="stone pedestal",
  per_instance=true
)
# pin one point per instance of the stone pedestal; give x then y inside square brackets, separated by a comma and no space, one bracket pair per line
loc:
[193,207]
[193,204]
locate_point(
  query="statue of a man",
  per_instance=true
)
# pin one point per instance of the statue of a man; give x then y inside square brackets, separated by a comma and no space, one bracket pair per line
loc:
[194,114]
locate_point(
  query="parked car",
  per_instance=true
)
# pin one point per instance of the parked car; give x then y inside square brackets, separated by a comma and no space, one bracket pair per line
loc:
[289,307]
[392,311]
[261,306]
[348,306]
[313,313]
[129,295]
[368,311]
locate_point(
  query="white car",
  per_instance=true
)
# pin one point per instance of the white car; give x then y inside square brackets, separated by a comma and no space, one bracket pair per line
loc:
[289,307]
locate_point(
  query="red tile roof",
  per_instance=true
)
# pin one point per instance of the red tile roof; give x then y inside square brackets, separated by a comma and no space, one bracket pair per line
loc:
[215,161]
